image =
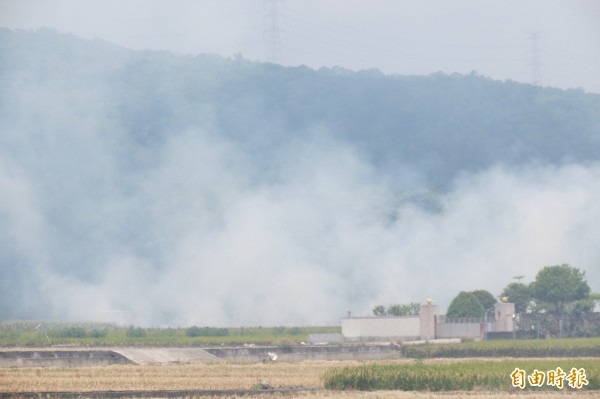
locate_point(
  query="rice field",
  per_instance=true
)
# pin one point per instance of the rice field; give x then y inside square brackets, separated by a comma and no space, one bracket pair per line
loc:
[467,375]
[234,376]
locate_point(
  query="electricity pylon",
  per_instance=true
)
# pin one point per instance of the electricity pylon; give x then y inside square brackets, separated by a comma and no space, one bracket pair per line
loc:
[272,32]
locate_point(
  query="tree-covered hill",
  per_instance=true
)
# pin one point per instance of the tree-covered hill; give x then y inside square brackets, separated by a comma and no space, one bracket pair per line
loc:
[437,125]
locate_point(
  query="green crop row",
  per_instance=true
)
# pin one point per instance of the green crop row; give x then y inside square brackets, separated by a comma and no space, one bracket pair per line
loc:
[456,376]
[196,331]
[568,347]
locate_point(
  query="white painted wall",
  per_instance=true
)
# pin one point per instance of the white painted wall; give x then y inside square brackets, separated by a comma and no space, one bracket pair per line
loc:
[381,327]
[426,326]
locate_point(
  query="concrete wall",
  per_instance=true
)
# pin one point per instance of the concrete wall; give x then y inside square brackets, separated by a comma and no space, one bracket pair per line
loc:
[324,338]
[429,325]
[428,316]
[381,327]
[460,330]
[60,358]
[505,312]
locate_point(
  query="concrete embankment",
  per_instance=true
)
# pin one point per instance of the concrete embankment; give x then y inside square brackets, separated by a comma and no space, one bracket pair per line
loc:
[301,353]
[60,358]
[146,355]
[149,355]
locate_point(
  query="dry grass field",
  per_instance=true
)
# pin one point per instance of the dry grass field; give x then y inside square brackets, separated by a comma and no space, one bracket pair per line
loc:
[164,377]
[427,395]
[223,376]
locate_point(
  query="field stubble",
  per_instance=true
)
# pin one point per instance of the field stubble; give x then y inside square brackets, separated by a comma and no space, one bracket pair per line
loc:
[228,376]
[164,377]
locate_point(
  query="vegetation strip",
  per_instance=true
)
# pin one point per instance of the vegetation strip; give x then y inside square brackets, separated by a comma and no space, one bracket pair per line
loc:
[153,394]
[455,376]
[44,334]
[569,347]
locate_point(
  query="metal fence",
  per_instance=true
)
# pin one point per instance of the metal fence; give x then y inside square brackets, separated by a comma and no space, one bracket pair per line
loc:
[551,326]
[444,319]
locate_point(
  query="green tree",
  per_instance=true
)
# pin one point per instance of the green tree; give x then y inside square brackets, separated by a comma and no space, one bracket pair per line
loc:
[379,310]
[556,287]
[486,299]
[395,310]
[409,309]
[581,308]
[414,308]
[519,294]
[465,305]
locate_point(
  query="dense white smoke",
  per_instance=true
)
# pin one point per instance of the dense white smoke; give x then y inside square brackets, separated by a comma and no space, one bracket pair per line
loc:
[195,228]
[199,238]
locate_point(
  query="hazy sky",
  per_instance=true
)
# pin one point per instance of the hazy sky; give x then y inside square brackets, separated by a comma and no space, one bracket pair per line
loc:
[493,38]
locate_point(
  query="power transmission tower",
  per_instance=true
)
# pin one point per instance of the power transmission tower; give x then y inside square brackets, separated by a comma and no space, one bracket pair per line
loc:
[272,32]
[535,64]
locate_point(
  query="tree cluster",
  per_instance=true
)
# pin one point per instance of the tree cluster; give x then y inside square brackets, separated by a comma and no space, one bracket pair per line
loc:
[475,304]
[559,302]
[409,309]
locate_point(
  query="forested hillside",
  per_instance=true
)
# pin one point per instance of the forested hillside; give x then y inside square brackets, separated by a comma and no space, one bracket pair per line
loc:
[437,125]
[120,166]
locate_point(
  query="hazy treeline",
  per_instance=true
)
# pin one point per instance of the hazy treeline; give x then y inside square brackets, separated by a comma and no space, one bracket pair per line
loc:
[436,125]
